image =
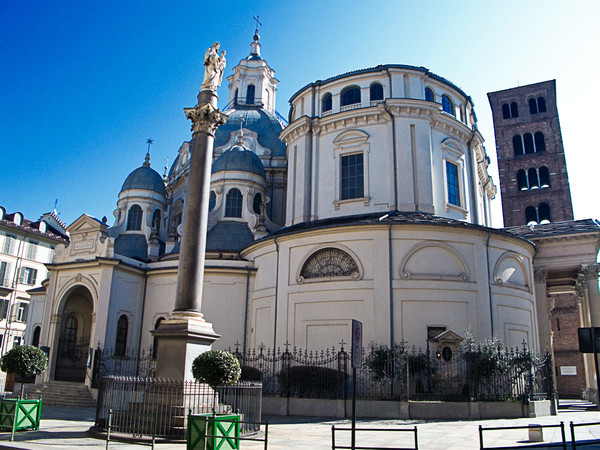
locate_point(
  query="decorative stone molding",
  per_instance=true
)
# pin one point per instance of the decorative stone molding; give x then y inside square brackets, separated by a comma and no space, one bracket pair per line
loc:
[205,118]
[540,274]
[590,271]
[580,287]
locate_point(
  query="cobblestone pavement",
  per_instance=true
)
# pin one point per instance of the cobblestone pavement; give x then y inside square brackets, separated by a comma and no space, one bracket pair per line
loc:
[67,428]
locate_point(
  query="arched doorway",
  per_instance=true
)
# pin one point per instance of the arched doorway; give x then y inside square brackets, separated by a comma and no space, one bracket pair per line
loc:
[74,338]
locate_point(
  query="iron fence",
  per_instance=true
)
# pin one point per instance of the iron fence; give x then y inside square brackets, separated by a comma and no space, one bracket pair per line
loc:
[139,404]
[131,362]
[402,374]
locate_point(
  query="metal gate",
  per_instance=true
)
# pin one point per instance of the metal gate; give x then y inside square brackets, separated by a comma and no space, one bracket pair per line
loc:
[71,359]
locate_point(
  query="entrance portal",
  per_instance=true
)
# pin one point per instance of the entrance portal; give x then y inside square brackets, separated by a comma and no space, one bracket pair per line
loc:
[74,338]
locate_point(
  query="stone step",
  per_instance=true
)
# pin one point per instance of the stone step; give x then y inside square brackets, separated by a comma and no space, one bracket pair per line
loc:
[62,393]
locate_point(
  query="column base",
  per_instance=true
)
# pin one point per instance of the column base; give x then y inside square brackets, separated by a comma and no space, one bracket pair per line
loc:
[180,340]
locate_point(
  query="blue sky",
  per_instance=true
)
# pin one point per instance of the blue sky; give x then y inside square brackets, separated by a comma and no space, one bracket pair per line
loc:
[84,84]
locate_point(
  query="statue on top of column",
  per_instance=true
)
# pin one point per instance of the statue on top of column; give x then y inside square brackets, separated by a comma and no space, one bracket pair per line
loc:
[214,65]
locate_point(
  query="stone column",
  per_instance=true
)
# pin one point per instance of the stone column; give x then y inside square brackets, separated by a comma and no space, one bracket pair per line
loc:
[544,306]
[186,334]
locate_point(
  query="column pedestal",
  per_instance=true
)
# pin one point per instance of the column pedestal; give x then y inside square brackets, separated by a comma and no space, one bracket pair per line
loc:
[180,340]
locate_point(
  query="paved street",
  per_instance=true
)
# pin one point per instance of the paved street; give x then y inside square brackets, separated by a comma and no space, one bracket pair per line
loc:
[67,428]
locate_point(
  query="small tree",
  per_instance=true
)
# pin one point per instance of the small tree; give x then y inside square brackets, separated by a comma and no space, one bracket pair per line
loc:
[216,368]
[25,361]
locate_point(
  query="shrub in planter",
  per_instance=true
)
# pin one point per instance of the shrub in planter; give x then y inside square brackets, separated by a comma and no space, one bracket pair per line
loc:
[25,361]
[215,368]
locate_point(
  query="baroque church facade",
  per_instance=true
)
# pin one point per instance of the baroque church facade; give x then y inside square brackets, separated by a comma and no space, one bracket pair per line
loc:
[372,203]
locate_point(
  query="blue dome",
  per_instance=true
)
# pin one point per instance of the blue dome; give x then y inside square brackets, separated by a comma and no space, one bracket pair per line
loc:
[228,236]
[258,120]
[132,245]
[145,178]
[238,158]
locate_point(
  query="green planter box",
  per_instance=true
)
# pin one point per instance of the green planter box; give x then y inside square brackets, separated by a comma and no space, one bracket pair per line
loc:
[208,432]
[20,414]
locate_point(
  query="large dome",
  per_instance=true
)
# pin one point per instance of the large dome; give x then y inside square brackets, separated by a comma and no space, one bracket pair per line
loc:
[239,159]
[258,120]
[145,178]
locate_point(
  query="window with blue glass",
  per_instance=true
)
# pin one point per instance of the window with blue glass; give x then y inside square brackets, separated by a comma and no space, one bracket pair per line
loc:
[212,200]
[327,102]
[351,95]
[233,203]
[250,91]
[447,105]
[352,176]
[452,183]
[376,92]
[429,95]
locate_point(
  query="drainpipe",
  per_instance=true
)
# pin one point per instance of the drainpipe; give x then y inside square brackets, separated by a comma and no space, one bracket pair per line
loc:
[391,287]
[246,312]
[487,254]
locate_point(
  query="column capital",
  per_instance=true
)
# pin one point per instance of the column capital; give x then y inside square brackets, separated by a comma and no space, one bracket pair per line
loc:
[205,118]
[540,274]
[580,286]
[589,271]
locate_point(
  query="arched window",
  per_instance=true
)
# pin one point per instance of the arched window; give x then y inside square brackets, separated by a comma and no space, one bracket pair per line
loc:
[518,145]
[35,341]
[327,102]
[540,143]
[376,92]
[154,340]
[134,218]
[541,104]
[533,106]
[156,220]
[531,215]
[121,338]
[532,177]
[250,94]
[235,97]
[544,212]
[212,200]
[544,177]
[506,111]
[522,180]
[351,96]
[447,105]
[233,203]
[256,203]
[514,110]
[528,141]
[429,96]
[329,263]
[69,336]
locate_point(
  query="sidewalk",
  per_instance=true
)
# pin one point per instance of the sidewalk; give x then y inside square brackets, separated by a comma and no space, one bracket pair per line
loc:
[67,428]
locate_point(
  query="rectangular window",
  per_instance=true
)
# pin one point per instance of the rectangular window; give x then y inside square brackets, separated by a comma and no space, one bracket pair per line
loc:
[4,274]
[21,313]
[453,183]
[3,309]
[352,177]
[28,276]
[8,244]
[16,341]
[31,250]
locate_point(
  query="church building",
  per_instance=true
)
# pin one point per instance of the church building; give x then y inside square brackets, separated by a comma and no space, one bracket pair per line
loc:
[372,203]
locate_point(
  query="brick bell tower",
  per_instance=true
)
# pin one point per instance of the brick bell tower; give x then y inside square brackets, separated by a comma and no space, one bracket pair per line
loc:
[531,160]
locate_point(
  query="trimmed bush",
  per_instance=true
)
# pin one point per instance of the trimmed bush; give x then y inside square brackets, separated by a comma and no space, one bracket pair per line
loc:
[216,368]
[311,381]
[250,373]
[25,361]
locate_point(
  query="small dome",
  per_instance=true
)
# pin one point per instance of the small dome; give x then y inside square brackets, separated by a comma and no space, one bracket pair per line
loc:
[240,159]
[145,178]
